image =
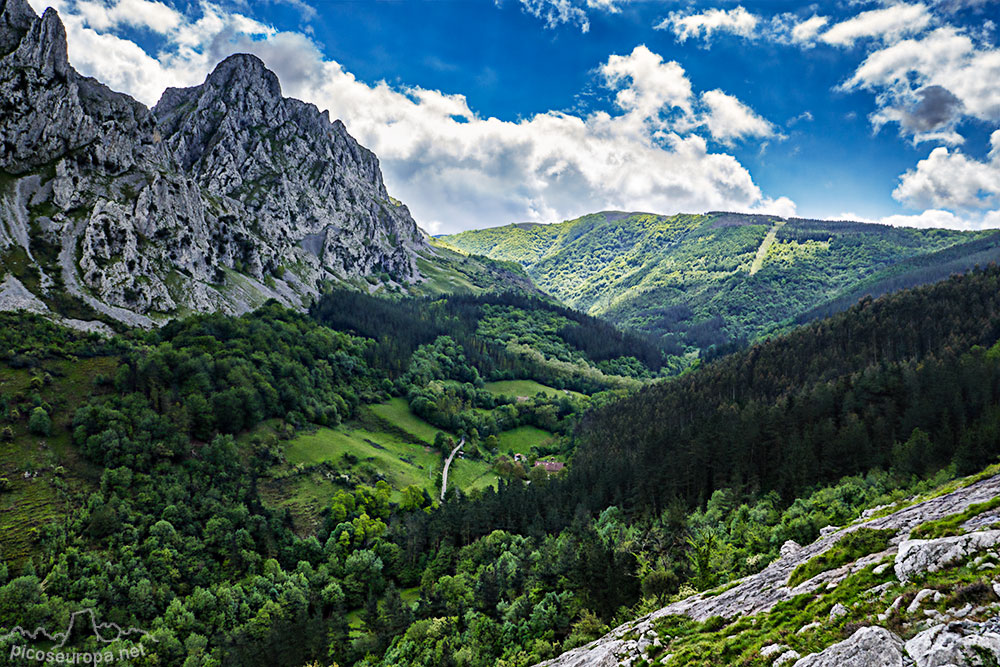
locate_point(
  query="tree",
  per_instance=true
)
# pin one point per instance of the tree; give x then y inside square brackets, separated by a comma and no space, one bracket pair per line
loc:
[658,584]
[39,423]
[442,442]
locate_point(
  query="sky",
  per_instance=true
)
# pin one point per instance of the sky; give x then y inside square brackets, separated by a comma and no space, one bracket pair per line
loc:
[487,112]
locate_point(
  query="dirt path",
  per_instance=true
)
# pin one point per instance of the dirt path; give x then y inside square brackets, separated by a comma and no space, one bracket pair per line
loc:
[447,464]
[758,260]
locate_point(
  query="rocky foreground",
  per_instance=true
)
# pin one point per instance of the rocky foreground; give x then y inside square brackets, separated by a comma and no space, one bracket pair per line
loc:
[910,629]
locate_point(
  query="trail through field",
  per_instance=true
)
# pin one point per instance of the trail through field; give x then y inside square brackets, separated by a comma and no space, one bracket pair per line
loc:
[447,464]
[758,260]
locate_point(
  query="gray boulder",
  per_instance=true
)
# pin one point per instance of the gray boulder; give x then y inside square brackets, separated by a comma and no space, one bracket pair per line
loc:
[868,647]
[951,645]
[918,556]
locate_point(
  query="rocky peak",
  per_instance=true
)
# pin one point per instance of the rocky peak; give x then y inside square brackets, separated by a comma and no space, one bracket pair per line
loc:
[16,18]
[224,195]
[44,46]
[243,73]
[953,637]
[294,174]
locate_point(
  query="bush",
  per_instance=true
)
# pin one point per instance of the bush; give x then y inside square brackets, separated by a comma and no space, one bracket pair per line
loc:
[978,592]
[39,423]
[851,547]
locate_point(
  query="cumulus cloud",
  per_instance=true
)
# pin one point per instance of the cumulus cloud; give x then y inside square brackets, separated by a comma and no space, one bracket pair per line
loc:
[929,83]
[932,219]
[737,21]
[154,16]
[889,23]
[952,180]
[194,46]
[647,84]
[453,167]
[728,119]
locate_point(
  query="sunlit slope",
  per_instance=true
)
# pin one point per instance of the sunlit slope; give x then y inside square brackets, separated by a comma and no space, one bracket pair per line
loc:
[703,280]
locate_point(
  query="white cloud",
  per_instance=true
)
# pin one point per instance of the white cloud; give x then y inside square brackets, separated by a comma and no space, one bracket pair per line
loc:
[558,12]
[932,219]
[454,168]
[729,119]
[945,57]
[953,180]
[929,84]
[890,23]
[806,31]
[804,117]
[684,26]
[647,84]
[195,46]
[155,16]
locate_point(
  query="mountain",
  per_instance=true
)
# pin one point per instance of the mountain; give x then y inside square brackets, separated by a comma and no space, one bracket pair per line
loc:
[703,280]
[222,196]
[291,464]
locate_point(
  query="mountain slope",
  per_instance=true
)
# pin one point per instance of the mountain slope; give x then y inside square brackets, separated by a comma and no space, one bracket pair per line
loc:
[702,280]
[759,611]
[224,195]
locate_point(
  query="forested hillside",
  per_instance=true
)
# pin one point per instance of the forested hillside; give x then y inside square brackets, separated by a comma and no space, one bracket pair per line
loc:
[704,281]
[265,490]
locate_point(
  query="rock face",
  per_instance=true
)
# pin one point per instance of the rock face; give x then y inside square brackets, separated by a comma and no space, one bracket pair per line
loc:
[951,644]
[867,647]
[288,170]
[760,592]
[916,556]
[222,196]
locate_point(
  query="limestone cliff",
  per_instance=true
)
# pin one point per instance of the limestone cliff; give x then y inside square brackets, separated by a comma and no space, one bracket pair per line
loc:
[222,196]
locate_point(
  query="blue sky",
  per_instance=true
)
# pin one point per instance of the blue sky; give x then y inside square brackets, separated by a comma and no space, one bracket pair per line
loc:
[485,113]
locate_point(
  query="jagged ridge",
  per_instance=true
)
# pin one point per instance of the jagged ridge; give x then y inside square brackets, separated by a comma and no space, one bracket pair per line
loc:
[223,195]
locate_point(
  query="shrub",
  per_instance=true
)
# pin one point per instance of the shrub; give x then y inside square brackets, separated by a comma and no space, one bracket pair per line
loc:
[39,423]
[977,592]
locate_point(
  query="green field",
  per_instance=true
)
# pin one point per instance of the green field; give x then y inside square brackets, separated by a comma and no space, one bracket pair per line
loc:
[521,439]
[441,277]
[468,475]
[526,388]
[397,412]
[401,463]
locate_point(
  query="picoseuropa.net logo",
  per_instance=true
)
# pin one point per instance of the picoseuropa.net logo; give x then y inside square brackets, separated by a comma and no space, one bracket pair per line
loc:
[80,622]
